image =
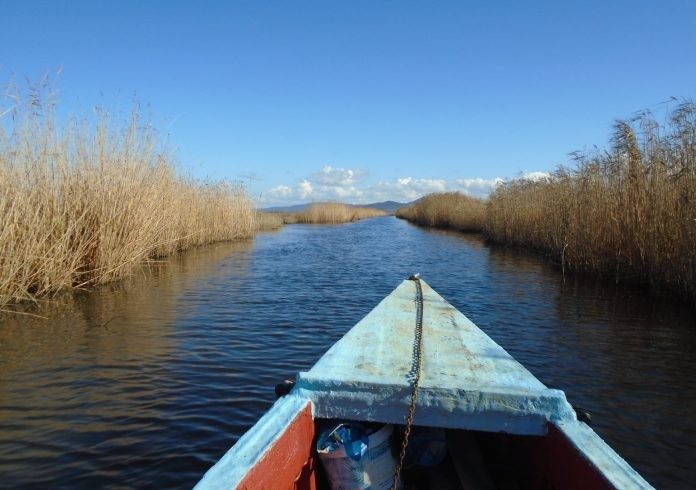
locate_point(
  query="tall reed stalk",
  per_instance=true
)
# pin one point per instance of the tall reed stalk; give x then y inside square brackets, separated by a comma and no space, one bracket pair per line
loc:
[87,204]
[628,213]
[447,210]
[268,221]
[335,212]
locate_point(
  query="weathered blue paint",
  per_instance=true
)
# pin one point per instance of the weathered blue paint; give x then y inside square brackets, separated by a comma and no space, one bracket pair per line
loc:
[468,381]
[251,447]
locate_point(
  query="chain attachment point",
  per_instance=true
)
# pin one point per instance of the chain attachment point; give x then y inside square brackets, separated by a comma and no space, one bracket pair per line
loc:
[413,376]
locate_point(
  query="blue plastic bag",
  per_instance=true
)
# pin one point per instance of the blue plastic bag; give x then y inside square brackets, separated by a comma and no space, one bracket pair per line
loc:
[350,436]
[356,458]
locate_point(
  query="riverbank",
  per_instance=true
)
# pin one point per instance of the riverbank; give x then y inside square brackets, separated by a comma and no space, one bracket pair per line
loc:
[317,213]
[447,210]
[628,214]
[87,204]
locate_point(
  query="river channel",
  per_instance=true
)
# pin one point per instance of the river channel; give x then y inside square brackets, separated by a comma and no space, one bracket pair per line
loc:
[146,383]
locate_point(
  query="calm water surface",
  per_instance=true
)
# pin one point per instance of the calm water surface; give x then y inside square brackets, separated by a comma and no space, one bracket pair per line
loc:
[148,382]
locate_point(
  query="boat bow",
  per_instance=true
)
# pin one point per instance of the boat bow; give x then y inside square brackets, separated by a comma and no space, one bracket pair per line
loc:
[467,380]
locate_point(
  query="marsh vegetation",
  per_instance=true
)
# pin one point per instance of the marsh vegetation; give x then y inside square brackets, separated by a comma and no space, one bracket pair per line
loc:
[268,221]
[88,203]
[317,213]
[628,213]
[447,210]
[334,212]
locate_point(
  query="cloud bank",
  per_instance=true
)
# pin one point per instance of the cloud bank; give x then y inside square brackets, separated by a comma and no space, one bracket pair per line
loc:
[349,185]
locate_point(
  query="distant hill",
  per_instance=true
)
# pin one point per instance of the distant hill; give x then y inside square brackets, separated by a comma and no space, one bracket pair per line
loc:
[298,208]
[386,206]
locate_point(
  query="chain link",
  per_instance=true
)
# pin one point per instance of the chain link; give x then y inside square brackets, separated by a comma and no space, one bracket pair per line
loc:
[413,377]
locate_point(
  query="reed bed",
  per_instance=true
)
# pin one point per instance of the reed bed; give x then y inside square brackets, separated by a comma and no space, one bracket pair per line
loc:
[447,210]
[84,205]
[291,218]
[269,221]
[628,213]
[333,212]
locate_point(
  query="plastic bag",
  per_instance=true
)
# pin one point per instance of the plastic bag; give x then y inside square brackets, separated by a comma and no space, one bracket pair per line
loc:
[355,458]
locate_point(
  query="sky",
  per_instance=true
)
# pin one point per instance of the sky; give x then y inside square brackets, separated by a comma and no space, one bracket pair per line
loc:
[360,101]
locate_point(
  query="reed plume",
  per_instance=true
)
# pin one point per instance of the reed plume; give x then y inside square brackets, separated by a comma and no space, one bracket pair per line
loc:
[628,213]
[88,203]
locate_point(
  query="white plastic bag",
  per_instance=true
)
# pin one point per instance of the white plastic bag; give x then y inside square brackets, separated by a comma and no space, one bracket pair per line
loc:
[369,462]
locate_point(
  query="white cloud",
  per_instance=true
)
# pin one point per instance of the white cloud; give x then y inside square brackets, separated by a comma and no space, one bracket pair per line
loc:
[477,187]
[331,183]
[305,189]
[535,175]
[404,189]
[337,177]
[350,185]
[281,191]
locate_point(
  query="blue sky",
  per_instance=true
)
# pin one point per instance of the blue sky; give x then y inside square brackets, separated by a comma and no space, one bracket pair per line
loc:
[361,100]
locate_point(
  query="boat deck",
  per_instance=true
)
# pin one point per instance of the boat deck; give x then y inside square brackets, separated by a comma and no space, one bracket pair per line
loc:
[467,380]
[521,433]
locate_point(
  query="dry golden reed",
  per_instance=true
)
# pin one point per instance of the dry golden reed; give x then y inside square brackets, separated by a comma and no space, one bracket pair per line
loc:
[268,221]
[84,205]
[628,213]
[334,212]
[447,210]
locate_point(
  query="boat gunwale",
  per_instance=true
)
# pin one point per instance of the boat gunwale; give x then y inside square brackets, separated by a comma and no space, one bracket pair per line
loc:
[523,411]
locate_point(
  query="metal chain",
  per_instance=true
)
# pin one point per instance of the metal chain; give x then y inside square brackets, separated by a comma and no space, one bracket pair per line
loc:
[413,376]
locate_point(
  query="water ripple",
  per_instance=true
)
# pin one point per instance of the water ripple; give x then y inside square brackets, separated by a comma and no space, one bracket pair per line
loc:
[192,351]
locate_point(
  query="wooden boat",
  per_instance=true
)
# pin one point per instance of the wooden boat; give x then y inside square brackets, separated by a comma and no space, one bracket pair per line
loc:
[504,428]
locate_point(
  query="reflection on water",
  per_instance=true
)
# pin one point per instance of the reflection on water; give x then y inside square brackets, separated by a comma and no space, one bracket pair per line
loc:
[81,391]
[627,358]
[148,382]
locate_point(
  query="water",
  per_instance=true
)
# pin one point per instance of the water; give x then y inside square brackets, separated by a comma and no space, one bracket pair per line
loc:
[148,382]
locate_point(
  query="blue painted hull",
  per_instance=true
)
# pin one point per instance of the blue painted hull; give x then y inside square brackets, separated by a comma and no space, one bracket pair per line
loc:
[468,383]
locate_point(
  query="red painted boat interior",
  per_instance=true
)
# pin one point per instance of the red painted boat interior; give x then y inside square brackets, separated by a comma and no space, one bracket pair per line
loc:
[475,460]
[291,462]
[530,462]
